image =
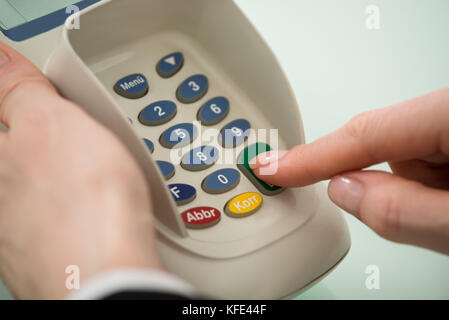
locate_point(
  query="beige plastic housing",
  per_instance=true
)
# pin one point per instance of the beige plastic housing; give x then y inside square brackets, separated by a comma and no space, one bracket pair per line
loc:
[297,236]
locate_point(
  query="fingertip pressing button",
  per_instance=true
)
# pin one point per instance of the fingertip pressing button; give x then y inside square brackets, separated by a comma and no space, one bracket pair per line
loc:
[193,89]
[244,205]
[243,163]
[182,193]
[170,65]
[134,86]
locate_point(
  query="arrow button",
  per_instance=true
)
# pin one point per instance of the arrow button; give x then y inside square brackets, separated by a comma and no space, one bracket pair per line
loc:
[169,65]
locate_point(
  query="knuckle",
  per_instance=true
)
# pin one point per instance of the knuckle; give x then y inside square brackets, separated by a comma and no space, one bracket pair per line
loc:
[359,125]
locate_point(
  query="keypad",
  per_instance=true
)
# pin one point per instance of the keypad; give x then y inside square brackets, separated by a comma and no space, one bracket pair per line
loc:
[158,113]
[193,89]
[134,86]
[170,65]
[210,113]
[213,111]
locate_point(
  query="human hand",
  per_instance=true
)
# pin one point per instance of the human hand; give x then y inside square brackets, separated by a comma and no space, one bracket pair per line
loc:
[409,206]
[70,193]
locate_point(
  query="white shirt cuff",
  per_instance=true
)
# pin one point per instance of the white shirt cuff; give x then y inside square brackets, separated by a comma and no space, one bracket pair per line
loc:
[115,281]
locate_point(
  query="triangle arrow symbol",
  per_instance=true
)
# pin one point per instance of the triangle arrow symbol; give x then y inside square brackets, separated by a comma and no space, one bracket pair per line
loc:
[171,60]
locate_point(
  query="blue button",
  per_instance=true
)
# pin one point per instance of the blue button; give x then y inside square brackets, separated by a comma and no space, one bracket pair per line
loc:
[213,111]
[235,133]
[158,113]
[149,144]
[200,158]
[167,169]
[134,86]
[193,89]
[182,193]
[169,65]
[221,181]
[179,135]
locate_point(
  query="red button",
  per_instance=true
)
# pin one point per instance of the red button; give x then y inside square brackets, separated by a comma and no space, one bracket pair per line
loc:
[201,217]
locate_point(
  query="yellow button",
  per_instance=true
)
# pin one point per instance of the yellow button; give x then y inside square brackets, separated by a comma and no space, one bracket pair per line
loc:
[244,205]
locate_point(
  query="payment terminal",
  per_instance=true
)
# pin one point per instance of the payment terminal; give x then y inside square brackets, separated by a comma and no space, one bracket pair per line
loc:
[194,92]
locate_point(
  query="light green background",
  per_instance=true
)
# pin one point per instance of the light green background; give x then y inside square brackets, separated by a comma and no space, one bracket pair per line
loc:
[337,69]
[16,12]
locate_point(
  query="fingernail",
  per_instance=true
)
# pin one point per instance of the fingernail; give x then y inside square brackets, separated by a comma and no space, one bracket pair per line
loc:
[4,59]
[346,193]
[267,159]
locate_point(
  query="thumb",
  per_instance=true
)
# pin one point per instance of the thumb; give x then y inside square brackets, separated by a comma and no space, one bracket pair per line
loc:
[24,90]
[397,209]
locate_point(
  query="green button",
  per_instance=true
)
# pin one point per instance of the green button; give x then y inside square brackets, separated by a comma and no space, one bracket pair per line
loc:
[243,164]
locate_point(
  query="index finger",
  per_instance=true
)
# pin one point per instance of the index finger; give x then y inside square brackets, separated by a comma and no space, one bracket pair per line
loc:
[413,129]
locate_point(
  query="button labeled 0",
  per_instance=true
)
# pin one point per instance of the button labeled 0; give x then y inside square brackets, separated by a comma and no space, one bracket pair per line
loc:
[201,217]
[244,205]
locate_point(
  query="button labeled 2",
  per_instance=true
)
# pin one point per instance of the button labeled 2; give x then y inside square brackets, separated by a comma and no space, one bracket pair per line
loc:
[158,113]
[193,89]
[201,217]
[244,205]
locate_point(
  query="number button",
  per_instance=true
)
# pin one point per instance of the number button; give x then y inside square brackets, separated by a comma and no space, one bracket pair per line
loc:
[179,135]
[200,158]
[221,181]
[235,133]
[158,113]
[244,205]
[193,89]
[243,164]
[167,169]
[182,193]
[213,111]
[170,65]
[134,86]
[149,144]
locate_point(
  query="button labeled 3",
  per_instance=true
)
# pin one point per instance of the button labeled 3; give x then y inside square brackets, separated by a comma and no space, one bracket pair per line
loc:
[193,89]
[244,205]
